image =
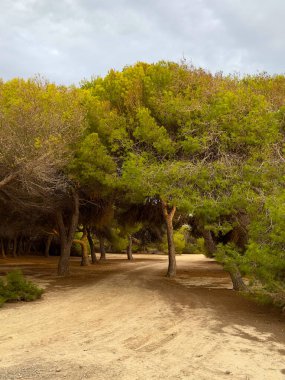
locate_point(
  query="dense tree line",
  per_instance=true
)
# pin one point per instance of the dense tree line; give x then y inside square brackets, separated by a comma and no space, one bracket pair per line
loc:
[144,154]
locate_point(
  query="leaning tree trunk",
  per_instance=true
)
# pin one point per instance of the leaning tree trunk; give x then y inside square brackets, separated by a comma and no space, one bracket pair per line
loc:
[92,248]
[168,217]
[236,278]
[130,248]
[210,245]
[102,248]
[47,245]
[84,248]
[66,236]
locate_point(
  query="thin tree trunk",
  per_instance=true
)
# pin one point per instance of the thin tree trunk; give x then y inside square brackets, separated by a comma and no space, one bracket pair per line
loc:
[102,248]
[130,248]
[24,242]
[210,245]
[236,278]
[92,248]
[20,246]
[8,247]
[66,236]
[15,244]
[3,249]
[28,246]
[168,217]
[47,245]
[84,248]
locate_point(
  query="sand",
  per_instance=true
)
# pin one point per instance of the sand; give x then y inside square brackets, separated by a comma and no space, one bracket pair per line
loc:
[126,320]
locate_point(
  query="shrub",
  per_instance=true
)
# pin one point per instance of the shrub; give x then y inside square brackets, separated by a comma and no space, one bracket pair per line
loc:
[179,241]
[16,288]
[195,247]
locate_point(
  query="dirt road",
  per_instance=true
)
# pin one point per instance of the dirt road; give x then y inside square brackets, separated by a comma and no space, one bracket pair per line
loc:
[125,320]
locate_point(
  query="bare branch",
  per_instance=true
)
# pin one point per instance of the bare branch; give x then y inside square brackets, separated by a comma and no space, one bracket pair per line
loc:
[7,180]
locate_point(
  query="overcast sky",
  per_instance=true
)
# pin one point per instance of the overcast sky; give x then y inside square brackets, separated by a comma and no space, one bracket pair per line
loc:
[68,40]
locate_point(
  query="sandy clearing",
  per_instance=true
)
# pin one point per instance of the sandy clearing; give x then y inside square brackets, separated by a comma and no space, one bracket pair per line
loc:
[125,320]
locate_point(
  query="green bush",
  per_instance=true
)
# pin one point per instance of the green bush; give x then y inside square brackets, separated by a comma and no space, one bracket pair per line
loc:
[196,247]
[179,237]
[16,288]
[179,240]
[2,301]
[199,247]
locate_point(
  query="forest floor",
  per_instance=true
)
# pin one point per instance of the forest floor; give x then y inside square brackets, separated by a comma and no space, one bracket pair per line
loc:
[126,320]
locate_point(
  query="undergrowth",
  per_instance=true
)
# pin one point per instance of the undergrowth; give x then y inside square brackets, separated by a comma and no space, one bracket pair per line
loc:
[14,287]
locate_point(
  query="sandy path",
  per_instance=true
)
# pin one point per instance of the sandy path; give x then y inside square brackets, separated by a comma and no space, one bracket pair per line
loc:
[121,320]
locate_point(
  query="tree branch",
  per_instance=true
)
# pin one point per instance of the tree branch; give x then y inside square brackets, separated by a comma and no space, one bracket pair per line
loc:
[6,180]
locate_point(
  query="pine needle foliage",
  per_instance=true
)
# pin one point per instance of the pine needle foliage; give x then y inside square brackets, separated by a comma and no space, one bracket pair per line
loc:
[15,287]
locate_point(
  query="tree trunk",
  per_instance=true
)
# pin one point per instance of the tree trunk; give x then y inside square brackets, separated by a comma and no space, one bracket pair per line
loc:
[8,247]
[20,246]
[33,247]
[130,248]
[102,249]
[84,248]
[47,246]
[15,245]
[84,252]
[168,217]
[63,264]
[236,278]
[66,236]
[24,243]
[28,246]
[3,248]
[92,248]
[210,245]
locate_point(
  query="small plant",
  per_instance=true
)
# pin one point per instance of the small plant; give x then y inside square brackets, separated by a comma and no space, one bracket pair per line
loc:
[16,288]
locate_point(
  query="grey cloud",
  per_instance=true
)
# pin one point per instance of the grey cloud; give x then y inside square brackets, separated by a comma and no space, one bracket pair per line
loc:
[255,29]
[71,39]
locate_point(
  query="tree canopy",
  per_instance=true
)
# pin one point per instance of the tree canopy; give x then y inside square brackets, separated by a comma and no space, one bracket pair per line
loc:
[200,148]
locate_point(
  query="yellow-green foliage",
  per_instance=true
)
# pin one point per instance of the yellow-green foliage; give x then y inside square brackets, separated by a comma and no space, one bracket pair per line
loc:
[76,248]
[199,246]
[119,242]
[210,145]
[179,241]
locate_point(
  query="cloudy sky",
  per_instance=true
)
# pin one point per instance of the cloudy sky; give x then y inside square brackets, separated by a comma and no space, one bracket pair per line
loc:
[68,40]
